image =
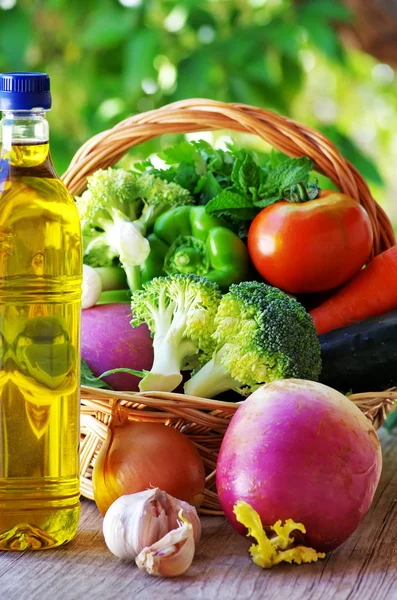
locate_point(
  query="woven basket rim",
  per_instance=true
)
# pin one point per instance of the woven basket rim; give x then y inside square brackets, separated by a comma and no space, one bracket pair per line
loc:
[206,419]
[203,420]
[200,114]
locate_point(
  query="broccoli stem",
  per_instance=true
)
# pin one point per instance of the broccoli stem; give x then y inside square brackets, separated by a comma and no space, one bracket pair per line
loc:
[211,380]
[165,374]
[113,278]
[134,279]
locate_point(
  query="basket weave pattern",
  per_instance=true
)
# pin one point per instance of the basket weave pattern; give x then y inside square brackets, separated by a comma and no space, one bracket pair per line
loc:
[205,421]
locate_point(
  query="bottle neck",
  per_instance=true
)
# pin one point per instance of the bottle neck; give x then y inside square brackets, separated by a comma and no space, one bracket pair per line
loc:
[23,127]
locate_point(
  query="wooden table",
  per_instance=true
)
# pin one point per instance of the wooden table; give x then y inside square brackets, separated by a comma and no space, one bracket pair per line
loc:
[364,568]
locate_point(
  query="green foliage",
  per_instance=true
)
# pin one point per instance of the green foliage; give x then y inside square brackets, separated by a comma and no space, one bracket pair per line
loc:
[196,166]
[108,61]
[351,151]
[391,421]
[254,187]
[117,210]
[179,310]
[88,378]
[115,60]
[261,335]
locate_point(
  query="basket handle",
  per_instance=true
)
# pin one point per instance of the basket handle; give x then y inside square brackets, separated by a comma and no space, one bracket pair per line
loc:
[288,136]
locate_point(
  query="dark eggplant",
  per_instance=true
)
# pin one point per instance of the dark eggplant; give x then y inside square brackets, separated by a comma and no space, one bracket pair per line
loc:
[361,357]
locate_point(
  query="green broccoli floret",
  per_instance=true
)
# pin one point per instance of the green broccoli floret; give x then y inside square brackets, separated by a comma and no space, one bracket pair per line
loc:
[179,311]
[116,211]
[99,253]
[159,196]
[261,334]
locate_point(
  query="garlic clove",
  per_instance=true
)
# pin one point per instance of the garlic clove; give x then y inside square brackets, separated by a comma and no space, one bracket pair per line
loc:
[137,521]
[170,556]
[173,508]
[131,523]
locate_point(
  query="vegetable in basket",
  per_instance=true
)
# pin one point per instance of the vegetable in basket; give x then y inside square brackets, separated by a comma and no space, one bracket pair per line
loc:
[179,311]
[196,243]
[91,288]
[371,292]
[137,455]
[230,182]
[109,342]
[116,211]
[260,334]
[310,245]
[197,167]
[300,450]
[361,356]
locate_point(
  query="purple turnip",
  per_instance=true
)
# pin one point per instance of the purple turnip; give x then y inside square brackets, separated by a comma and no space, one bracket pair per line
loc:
[300,450]
[108,342]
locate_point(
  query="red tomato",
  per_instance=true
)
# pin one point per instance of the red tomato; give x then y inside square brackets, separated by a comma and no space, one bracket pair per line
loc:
[311,246]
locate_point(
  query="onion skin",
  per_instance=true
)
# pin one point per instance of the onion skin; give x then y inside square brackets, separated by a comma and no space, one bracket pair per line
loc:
[139,455]
[300,450]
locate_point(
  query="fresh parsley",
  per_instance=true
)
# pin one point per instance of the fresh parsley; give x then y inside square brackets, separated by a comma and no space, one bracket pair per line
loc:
[196,166]
[230,182]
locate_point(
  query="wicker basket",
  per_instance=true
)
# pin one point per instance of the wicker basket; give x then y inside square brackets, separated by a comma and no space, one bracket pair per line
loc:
[205,421]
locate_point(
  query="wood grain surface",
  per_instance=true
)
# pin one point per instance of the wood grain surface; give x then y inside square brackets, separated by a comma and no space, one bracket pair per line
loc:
[364,568]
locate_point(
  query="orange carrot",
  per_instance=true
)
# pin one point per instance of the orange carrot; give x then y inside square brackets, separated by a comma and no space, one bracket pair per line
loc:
[372,292]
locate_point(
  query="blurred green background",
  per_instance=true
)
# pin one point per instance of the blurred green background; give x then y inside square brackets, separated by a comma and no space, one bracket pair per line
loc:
[109,59]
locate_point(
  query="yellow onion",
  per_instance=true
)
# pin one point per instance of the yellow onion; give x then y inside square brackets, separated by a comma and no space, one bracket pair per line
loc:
[140,455]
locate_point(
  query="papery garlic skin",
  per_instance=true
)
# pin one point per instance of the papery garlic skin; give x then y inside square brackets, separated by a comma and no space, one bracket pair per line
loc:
[137,521]
[172,555]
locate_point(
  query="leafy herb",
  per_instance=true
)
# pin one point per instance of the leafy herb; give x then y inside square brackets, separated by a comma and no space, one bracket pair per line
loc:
[391,421]
[284,176]
[233,204]
[88,378]
[247,175]
[254,187]
[230,182]
[196,166]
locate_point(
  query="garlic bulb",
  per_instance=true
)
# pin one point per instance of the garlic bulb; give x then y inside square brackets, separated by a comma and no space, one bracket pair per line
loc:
[154,521]
[172,555]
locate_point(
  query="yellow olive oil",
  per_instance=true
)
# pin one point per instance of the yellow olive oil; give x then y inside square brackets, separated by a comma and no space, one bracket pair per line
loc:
[40,290]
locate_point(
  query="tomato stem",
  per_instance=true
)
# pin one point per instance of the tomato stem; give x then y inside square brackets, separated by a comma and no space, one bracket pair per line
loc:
[300,193]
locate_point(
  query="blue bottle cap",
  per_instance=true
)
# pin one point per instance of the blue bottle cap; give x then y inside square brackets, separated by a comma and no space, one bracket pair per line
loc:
[24,91]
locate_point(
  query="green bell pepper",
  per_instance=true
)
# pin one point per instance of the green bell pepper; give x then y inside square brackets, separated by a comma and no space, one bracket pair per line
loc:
[186,239]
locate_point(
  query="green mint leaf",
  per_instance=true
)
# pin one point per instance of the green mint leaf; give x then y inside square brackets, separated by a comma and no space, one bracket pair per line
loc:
[88,378]
[274,158]
[232,203]
[285,175]
[263,202]
[246,174]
